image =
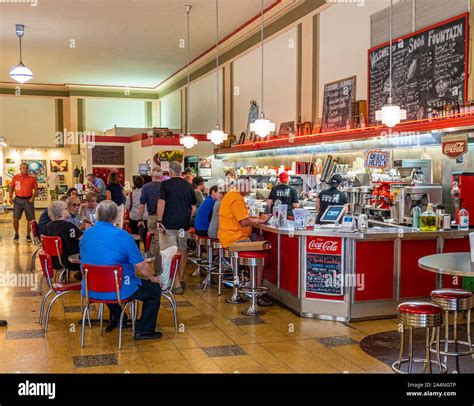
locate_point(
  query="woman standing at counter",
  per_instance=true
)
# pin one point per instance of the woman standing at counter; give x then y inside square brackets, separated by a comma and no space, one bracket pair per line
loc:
[284,193]
[332,196]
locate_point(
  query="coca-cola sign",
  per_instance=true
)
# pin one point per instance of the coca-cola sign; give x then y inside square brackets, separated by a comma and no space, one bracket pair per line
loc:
[454,146]
[324,245]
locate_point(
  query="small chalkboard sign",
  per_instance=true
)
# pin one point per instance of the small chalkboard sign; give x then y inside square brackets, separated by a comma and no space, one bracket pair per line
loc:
[324,269]
[338,99]
[108,155]
[429,69]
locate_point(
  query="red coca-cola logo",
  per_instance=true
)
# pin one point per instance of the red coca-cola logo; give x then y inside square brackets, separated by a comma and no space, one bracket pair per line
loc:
[324,246]
[454,148]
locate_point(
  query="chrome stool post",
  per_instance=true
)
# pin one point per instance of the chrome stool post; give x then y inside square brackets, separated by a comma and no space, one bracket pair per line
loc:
[453,301]
[419,315]
[216,245]
[236,298]
[253,260]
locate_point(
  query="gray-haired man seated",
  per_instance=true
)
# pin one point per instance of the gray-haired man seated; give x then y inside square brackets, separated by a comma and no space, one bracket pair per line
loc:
[105,244]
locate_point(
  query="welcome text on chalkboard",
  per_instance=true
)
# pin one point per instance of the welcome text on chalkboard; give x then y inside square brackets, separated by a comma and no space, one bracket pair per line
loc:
[429,69]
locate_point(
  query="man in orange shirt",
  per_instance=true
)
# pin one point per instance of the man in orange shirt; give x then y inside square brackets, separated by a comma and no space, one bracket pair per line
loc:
[236,225]
[25,188]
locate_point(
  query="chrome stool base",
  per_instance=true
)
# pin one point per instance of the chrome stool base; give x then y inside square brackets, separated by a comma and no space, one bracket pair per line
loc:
[397,365]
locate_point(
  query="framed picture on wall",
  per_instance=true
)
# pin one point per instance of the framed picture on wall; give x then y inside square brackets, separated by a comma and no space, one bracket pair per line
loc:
[60,164]
[286,129]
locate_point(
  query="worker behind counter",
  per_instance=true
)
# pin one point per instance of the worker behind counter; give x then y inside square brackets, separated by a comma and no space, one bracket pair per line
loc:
[284,193]
[331,197]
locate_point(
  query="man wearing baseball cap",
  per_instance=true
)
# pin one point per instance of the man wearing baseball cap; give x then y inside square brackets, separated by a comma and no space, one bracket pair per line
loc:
[331,197]
[284,193]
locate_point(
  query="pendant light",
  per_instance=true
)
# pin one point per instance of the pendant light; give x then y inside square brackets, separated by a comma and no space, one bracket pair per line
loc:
[217,136]
[187,140]
[262,127]
[20,72]
[3,142]
[390,114]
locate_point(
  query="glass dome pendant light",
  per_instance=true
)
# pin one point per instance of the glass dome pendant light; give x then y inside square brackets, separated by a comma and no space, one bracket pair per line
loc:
[262,127]
[187,140]
[20,72]
[217,136]
[390,114]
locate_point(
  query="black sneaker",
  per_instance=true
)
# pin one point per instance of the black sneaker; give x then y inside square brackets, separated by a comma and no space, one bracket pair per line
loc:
[154,335]
[28,239]
[16,240]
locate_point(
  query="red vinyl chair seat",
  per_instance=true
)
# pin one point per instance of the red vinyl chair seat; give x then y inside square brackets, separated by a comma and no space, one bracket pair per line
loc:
[66,286]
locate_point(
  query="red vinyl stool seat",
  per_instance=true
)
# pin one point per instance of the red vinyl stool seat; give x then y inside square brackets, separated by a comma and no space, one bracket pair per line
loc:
[453,301]
[451,293]
[425,315]
[253,254]
[420,308]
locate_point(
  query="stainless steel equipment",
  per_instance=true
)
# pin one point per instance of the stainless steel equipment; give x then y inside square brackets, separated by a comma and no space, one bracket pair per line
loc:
[358,197]
[417,195]
[414,170]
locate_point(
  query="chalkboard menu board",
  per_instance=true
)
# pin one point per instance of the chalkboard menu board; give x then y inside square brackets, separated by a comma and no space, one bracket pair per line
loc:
[337,104]
[429,69]
[324,269]
[108,155]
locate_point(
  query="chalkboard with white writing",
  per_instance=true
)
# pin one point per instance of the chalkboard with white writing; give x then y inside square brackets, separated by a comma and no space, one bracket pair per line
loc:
[108,155]
[338,101]
[429,70]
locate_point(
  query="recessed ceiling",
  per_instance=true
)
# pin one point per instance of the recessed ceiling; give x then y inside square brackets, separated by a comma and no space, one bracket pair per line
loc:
[112,42]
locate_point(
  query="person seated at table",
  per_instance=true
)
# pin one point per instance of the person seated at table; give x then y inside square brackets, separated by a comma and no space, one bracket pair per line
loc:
[105,244]
[59,226]
[204,213]
[213,229]
[44,219]
[72,192]
[74,205]
[88,208]
[235,225]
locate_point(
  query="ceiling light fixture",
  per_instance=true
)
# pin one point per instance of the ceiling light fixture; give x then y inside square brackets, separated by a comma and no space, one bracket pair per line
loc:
[390,114]
[262,127]
[20,72]
[187,140]
[217,136]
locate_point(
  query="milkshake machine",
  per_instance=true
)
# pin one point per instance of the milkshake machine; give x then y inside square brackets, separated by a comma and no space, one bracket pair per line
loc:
[462,191]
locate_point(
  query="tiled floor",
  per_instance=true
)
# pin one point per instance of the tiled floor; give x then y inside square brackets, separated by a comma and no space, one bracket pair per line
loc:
[214,337]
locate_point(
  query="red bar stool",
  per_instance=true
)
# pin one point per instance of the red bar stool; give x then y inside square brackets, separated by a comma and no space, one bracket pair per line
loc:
[453,301]
[253,260]
[234,261]
[216,245]
[419,315]
[204,242]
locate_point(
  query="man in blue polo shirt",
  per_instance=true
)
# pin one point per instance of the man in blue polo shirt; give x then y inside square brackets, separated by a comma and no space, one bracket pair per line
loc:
[149,198]
[204,213]
[104,244]
[97,185]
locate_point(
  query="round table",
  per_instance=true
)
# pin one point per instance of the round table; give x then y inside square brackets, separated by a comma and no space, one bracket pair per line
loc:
[455,263]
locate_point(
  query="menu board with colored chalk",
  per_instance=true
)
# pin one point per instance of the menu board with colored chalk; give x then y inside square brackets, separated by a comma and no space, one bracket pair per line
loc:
[429,69]
[338,98]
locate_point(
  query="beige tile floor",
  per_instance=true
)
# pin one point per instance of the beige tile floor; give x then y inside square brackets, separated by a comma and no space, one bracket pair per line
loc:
[208,340]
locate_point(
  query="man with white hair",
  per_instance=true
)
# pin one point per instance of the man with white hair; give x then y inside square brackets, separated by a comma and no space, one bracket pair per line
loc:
[176,206]
[105,244]
[149,199]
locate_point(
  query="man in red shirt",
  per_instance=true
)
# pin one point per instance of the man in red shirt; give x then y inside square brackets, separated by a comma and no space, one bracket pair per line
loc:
[25,188]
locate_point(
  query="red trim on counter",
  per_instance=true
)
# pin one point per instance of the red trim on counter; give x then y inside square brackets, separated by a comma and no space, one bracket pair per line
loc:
[414,281]
[270,272]
[289,263]
[374,267]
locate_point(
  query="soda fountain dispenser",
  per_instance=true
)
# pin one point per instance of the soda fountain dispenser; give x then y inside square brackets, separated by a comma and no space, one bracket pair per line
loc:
[462,191]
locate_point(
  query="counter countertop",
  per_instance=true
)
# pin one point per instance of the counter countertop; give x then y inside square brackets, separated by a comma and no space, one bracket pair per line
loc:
[375,233]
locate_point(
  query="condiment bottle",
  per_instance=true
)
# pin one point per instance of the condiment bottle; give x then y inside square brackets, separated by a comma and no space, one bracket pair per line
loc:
[463,219]
[428,219]
[416,218]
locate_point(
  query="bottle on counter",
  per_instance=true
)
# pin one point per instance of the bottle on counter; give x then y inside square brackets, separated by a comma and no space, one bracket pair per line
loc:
[416,218]
[440,210]
[463,219]
[428,219]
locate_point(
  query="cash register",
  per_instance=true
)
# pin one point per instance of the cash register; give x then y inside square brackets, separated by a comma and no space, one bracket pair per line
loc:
[332,217]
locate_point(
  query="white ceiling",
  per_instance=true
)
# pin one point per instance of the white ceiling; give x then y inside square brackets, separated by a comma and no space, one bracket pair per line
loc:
[117,42]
